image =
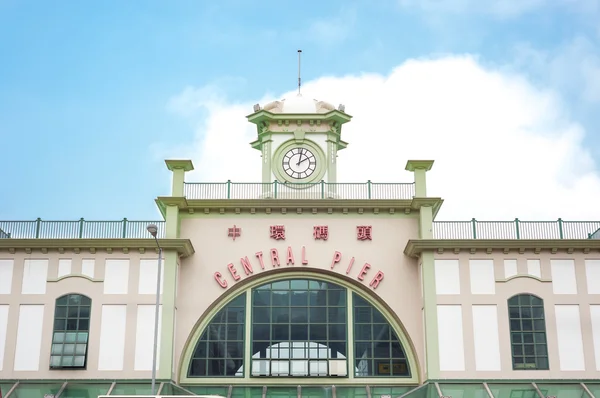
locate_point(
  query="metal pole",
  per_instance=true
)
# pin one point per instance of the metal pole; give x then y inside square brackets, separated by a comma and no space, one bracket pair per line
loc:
[155,347]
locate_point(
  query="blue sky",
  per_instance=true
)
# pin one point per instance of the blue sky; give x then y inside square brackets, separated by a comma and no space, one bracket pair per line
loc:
[85,87]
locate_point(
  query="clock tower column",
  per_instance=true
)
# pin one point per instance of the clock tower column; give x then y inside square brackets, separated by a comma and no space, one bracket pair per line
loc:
[299,139]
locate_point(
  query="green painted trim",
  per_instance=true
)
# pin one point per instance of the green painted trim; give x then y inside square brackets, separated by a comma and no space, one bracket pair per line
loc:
[419,169]
[183,164]
[266,116]
[415,248]
[388,206]
[179,168]
[168,298]
[430,322]
[426,222]
[172,222]
[183,247]
[248,284]
[412,165]
[280,152]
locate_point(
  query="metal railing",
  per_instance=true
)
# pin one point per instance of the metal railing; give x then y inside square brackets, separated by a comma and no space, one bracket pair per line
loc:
[279,190]
[80,229]
[126,229]
[516,229]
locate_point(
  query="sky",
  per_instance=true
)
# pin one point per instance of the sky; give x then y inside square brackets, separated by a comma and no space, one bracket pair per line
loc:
[504,95]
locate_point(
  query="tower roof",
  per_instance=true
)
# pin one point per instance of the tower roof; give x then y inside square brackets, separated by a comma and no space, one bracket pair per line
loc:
[299,105]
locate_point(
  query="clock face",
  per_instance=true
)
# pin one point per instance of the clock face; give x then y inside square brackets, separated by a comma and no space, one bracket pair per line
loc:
[299,163]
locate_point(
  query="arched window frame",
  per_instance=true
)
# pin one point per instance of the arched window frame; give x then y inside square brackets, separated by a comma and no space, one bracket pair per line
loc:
[527,325]
[70,332]
[351,287]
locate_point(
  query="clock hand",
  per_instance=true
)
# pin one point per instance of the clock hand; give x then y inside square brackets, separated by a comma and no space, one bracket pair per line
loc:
[300,160]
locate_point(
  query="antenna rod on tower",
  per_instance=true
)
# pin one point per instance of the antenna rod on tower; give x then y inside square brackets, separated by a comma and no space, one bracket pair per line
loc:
[299,79]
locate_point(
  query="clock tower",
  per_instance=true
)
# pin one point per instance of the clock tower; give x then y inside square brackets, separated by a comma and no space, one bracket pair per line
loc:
[299,139]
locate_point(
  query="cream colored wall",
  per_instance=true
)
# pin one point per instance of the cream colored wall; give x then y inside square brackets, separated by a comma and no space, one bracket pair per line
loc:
[504,289]
[94,289]
[214,251]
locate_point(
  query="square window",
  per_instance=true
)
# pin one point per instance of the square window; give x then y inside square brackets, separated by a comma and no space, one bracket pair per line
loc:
[59,337]
[299,284]
[363,332]
[540,337]
[60,324]
[61,312]
[79,361]
[84,311]
[55,361]
[84,324]
[73,312]
[69,349]
[80,349]
[72,324]
[57,349]
[67,361]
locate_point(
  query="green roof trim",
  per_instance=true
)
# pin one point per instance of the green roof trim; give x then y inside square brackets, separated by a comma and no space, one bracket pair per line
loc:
[431,389]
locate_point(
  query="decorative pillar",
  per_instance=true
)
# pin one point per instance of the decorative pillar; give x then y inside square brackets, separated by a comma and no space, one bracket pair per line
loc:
[167,326]
[419,169]
[179,168]
[427,264]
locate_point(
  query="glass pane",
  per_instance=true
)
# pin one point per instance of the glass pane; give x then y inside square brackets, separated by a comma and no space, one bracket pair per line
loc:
[220,350]
[351,392]
[35,390]
[524,390]
[377,392]
[5,387]
[425,391]
[562,390]
[84,390]
[594,388]
[318,392]
[464,390]
[133,389]
[244,392]
[212,390]
[304,327]
[282,392]
[172,389]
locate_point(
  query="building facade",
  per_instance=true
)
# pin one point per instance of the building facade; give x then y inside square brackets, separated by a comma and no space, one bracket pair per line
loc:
[300,286]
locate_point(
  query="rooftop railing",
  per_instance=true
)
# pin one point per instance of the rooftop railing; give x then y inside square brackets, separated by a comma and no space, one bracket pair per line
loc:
[80,229]
[279,190]
[517,229]
[473,229]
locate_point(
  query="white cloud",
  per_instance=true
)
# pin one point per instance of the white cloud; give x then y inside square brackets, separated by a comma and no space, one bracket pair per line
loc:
[502,148]
[573,66]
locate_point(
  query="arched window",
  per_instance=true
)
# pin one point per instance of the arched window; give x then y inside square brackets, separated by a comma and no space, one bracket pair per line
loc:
[528,332]
[220,350]
[378,350]
[299,327]
[71,332]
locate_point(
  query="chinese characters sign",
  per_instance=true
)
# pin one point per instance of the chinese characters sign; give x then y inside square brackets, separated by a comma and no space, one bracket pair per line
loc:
[321,232]
[363,232]
[278,232]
